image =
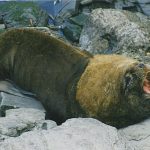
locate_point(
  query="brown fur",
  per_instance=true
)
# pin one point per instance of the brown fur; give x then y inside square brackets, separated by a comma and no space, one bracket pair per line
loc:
[71,83]
[43,65]
[101,93]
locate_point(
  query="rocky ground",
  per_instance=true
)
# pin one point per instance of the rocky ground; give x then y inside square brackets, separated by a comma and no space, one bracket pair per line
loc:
[103,27]
[23,126]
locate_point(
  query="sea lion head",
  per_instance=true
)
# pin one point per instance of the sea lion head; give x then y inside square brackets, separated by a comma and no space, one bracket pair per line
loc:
[115,89]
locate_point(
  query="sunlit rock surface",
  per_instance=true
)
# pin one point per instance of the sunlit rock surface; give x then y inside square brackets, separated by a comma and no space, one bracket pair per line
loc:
[109,31]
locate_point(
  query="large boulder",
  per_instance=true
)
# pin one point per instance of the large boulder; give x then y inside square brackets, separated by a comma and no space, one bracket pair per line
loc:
[116,31]
[76,134]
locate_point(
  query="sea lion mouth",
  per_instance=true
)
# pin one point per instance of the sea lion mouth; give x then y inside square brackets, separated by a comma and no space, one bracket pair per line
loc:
[146,83]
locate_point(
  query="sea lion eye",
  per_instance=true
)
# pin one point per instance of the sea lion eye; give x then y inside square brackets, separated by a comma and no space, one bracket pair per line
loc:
[141,65]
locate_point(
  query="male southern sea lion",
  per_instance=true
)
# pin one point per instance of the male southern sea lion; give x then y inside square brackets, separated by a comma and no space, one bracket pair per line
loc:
[71,83]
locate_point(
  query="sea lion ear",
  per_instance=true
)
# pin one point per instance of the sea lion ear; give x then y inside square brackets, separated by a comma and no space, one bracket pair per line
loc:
[128,81]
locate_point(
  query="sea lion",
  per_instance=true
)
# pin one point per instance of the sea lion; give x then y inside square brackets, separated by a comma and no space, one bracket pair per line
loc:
[70,83]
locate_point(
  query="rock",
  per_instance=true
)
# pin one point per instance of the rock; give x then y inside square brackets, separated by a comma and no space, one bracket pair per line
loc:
[79,19]
[28,15]
[85,2]
[23,14]
[145,6]
[115,31]
[72,27]
[1,18]
[137,137]
[142,6]
[27,113]
[93,4]
[72,31]
[12,101]
[130,5]
[12,96]
[20,120]
[2,26]
[75,134]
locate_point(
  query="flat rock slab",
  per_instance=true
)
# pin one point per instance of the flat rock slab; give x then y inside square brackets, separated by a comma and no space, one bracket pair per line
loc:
[12,96]
[13,101]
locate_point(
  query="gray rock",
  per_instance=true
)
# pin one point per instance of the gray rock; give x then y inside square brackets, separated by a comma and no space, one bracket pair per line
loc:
[79,19]
[93,4]
[12,96]
[30,114]
[1,19]
[75,134]
[71,26]
[145,6]
[72,31]
[131,5]
[115,31]
[142,6]
[12,101]
[2,26]
[20,120]
[85,2]
[137,136]
[62,6]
